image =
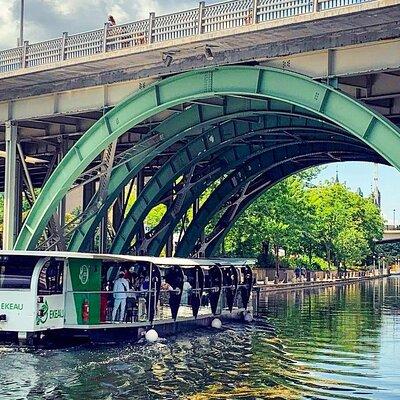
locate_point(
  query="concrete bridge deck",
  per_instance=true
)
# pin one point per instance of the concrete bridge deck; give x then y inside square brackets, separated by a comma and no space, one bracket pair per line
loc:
[391,234]
[233,31]
[57,94]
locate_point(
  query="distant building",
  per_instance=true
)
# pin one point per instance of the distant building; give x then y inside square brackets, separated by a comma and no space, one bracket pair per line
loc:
[376,194]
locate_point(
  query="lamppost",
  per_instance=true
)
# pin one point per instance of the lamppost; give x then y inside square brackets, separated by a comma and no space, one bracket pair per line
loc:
[21,25]
[394,218]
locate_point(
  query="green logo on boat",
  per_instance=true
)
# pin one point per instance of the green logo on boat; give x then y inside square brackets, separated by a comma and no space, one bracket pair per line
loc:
[43,314]
[84,274]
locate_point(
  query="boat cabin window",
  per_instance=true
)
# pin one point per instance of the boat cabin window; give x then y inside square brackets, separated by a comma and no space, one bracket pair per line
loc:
[51,278]
[16,271]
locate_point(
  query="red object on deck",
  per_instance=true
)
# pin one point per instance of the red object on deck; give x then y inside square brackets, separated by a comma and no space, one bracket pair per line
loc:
[85,311]
[103,307]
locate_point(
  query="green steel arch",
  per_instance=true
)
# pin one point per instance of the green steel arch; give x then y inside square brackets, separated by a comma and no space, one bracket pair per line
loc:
[259,114]
[262,82]
[198,149]
[229,160]
[169,222]
[257,187]
[243,176]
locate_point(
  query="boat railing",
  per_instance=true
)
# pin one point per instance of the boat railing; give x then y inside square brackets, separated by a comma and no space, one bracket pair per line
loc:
[202,20]
[138,303]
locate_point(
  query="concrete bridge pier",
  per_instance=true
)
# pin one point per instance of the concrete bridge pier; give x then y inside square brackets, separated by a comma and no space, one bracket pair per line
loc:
[12,187]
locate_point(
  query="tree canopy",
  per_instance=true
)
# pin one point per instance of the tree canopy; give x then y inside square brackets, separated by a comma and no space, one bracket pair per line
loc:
[317,225]
[327,221]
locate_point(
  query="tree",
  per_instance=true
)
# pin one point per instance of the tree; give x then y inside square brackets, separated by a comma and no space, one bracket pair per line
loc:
[351,246]
[346,223]
[325,221]
[279,217]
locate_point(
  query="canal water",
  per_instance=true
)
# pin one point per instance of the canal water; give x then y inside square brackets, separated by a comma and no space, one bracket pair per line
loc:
[333,343]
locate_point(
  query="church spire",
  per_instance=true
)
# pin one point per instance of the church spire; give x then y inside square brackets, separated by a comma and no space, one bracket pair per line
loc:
[376,194]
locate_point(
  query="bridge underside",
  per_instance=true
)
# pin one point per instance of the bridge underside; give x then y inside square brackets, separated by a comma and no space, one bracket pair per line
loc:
[232,132]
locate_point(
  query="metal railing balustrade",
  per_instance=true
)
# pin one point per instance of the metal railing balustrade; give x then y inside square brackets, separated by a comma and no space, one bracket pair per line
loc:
[204,19]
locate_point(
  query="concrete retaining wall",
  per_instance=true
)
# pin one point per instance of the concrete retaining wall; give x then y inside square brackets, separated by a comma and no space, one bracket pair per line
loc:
[265,276]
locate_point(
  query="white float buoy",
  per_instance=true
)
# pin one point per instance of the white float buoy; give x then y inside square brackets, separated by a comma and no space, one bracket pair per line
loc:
[216,323]
[151,336]
[248,317]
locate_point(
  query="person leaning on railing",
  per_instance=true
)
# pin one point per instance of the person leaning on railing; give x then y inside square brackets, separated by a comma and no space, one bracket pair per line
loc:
[111,21]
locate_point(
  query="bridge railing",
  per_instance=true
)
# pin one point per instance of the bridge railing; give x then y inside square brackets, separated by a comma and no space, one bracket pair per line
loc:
[392,227]
[204,19]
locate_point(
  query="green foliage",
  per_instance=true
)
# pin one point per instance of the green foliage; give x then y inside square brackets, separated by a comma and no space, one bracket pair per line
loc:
[345,223]
[316,264]
[317,226]
[155,215]
[391,251]
[280,217]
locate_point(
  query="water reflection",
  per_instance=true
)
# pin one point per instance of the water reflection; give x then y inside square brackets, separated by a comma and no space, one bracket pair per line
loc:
[332,343]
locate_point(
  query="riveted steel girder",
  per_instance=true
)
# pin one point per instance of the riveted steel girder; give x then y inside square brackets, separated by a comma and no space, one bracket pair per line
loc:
[259,186]
[170,220]
[221,165]
[282,85]
[198,149]
[270,114]
[244,175]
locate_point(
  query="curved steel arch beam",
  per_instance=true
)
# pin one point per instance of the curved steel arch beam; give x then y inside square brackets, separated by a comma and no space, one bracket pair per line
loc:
[197,150]
[282,85]
[155,244]
[175,128]
[224,163]
[242,177]
[257,188]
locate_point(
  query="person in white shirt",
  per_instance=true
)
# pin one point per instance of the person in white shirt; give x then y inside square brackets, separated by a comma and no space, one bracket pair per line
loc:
[120,290]
[187,287]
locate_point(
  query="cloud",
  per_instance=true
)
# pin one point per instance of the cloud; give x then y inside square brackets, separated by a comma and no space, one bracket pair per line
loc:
[8,26]
[47,19]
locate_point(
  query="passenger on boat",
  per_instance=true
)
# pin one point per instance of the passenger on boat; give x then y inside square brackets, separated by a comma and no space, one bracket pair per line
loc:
[145,285]
[143,297]
[187,287]
[121,288]
[131,301]
[163,301]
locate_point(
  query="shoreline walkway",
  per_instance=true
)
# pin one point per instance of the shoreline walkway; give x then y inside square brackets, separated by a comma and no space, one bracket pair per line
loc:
[317,279]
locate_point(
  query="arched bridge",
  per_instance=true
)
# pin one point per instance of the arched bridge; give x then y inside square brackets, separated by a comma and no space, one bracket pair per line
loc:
[232,130]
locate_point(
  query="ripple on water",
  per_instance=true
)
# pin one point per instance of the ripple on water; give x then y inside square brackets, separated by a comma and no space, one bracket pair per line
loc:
[330,343]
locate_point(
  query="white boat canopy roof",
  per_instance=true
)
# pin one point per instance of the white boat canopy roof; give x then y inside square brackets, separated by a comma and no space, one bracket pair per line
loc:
[160,261]
[58,254]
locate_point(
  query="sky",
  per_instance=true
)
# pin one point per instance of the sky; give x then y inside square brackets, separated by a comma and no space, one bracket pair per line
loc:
[361,175]
[46,19]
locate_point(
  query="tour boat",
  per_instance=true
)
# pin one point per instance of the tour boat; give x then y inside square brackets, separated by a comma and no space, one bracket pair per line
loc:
[57,295]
